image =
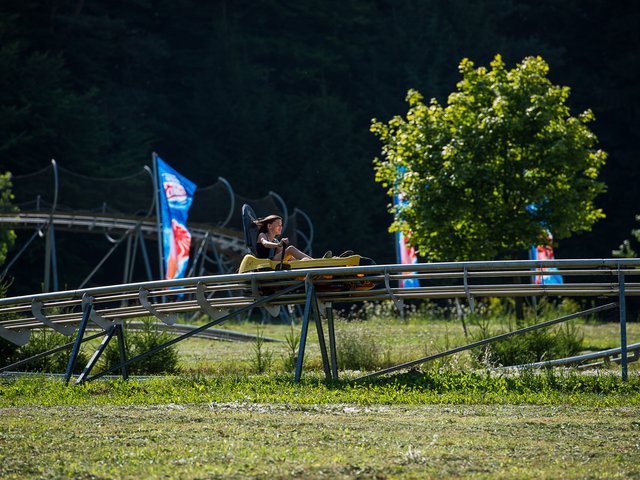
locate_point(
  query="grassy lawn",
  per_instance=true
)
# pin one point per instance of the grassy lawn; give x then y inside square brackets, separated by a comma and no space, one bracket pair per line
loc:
[219,418]
[249,440]
[392,340]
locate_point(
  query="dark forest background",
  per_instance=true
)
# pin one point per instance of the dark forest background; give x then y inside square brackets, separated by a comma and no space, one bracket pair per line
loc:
[279,95]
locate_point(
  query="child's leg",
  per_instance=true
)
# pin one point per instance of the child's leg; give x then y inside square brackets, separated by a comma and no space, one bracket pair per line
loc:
[295,253]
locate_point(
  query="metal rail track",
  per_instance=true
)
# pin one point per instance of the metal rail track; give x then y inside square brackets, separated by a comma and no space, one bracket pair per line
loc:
[223,296]
[116,225]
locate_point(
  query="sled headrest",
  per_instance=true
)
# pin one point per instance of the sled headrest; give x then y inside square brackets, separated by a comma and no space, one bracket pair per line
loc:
[250,228]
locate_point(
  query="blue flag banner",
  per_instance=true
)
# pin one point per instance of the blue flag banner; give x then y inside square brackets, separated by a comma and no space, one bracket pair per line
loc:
[176,195]
[544,252]
[406,255]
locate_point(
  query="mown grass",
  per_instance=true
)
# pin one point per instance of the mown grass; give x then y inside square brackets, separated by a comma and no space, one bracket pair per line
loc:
[220,419]
[249,440]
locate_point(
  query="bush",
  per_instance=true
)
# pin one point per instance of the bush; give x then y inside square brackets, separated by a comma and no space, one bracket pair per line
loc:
[138,342]
[357,349]
[42,341]
[547,343]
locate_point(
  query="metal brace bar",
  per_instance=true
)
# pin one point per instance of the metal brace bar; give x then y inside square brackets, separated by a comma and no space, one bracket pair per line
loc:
[93,315]
[467,291]
[144,301]
[123,352]
[479,343]
[321,340]
[36,309]
[19,337]
[305,326]
[205,306]
[47,353]
[94,358]
[623,325]
[332,343]
[86,311]
[398,302]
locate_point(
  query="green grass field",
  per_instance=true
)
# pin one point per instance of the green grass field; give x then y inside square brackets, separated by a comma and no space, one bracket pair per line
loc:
[219,418]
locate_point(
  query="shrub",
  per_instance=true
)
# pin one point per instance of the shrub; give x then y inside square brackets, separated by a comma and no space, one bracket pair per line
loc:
[262,358]
[535,346]
[138,342]
[42,341]
[357,349]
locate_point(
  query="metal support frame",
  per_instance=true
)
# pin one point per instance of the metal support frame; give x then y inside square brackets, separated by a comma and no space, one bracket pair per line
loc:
[145,254]
[30,307]
[332,343]
[467,291]
[398,302]
[86,311]
[118,331]
[144,301]
[127,235]
[232,198]
[66,346]
[156,196]
[50,260]
[50,257]
[623,326]
[38,314]
[311,308]
[217,321]
[20,337]
[37,233]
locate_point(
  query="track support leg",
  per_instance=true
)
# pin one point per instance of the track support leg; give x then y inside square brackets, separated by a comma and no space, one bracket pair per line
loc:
[86,313]
[623,326]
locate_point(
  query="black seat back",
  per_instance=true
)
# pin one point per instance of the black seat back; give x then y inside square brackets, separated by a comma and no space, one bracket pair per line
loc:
[250,228]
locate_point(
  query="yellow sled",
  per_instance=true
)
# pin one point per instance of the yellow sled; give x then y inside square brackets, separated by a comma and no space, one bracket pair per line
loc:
[253,264]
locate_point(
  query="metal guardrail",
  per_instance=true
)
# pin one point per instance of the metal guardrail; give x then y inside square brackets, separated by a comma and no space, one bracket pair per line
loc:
[223,296]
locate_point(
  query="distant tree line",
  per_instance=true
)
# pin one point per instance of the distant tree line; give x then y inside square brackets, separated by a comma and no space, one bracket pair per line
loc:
[279,95]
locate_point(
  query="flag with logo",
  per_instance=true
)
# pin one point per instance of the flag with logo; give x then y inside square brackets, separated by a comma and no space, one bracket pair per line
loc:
[406,254]
[176,195]
[544,252]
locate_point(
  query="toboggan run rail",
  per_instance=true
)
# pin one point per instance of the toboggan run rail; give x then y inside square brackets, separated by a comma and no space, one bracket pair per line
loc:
[222,297]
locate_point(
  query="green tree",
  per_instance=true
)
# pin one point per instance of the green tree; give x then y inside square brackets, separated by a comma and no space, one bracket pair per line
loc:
[7,237]
[470,172]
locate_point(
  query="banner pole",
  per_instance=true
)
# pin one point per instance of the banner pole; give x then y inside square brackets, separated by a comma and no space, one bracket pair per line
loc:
[156,187]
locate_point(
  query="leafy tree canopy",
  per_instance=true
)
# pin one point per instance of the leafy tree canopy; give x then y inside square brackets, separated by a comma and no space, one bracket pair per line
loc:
[487,175]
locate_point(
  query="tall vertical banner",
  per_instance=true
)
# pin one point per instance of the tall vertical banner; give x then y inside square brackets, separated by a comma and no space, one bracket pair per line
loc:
[405,254]
[544,252]
[176,196]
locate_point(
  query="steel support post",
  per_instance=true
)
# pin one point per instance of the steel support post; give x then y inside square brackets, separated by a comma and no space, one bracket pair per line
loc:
[321,341]
[145,254]
[94,358]
[130,259]
[47,259]
[332,343]
[76,346]
[123,352]
[308,305]
[623,325]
